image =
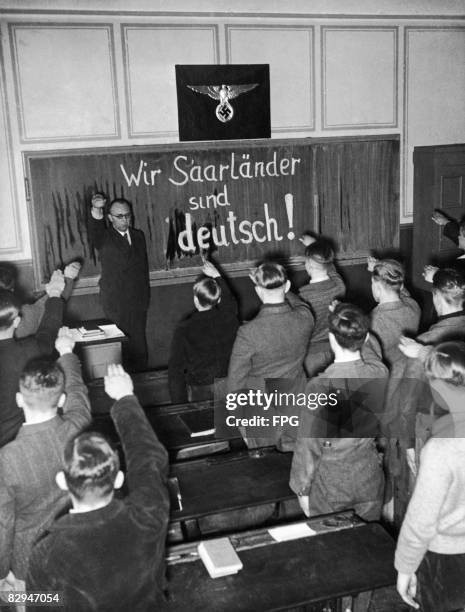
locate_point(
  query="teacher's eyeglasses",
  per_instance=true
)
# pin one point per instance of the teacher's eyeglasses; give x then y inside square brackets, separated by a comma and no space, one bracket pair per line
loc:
[122,216]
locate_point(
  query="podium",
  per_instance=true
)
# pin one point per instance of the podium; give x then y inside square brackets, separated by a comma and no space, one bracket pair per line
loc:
[96,353]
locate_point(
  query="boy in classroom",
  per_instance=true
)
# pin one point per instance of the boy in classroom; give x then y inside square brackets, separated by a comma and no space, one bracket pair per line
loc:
[14,353]
[397,313]
[32,313]
[107,553]
[324,286]
[336,465]
[430,554]
[29,498]
[202,343]
[274,344]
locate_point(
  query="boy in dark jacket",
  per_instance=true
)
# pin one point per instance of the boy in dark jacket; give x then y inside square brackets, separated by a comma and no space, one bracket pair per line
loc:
[202,344]
[108,554]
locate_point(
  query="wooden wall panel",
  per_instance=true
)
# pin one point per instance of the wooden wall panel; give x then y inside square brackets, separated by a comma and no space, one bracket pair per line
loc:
[434,94]
[289,51]
[65,81]
[151,53]
[359,77]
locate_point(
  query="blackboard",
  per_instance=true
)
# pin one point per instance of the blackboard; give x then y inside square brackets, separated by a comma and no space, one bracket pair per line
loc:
[239,200]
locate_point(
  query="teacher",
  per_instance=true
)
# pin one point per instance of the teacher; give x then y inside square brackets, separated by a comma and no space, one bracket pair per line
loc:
[124,282]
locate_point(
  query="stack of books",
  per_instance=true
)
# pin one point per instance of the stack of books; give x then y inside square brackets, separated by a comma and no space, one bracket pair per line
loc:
[91,331]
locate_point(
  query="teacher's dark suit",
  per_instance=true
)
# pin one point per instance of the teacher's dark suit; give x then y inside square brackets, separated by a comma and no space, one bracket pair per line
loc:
[124,285]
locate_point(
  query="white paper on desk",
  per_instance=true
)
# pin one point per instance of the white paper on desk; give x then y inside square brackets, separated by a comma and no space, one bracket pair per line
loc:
[111,331]
[291,532]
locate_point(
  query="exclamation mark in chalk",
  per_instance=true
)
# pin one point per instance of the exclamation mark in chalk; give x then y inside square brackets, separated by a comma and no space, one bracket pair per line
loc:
[289,199]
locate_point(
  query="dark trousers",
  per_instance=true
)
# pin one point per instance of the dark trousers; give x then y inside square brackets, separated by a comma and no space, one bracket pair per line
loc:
[441,582]
[132,323]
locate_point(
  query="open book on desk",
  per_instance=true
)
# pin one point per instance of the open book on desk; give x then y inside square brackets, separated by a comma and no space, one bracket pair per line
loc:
[92,331]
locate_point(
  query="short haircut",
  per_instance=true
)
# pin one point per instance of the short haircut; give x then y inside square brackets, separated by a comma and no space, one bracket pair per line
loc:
[207,291]
[41,383]
[447,362]
[389,272]
[119,201]
[10,307]
[270,275]
[349,325]
[90,466]
[320,251]
[7,277]
[451,286]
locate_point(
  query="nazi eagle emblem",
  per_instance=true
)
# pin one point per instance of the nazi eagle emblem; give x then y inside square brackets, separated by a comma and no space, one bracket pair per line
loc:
[224,111]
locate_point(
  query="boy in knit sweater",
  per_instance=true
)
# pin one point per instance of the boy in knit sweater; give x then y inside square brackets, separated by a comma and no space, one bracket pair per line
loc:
[397,313]
[430,555]
[325,285]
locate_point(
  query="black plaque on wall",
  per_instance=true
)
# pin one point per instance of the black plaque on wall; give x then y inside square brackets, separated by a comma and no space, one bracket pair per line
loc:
[223,102]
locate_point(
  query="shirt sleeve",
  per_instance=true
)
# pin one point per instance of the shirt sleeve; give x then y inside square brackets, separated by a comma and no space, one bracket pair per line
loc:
[97,232]
[31,315]
[49,325]
[77,406]
[451,230]
[421,520]
[146,461]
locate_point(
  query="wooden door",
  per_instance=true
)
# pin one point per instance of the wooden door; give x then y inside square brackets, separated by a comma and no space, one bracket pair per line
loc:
[439,183]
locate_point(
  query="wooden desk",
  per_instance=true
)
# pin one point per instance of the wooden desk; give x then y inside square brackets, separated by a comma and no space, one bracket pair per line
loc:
[224,483]
[276,576]
[174,433]
[151,388]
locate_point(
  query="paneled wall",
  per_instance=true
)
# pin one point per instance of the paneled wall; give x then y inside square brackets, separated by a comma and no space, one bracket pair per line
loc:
[77,78]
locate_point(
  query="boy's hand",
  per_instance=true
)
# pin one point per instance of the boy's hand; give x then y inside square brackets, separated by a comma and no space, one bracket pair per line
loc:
[118,383]
[307,240]
[304,503]
[56,284]
[407,588]
[440,218]
[72,270]
[429,272]
[65,341]
[371,263]
[410,348]
[332,306]
[209,270]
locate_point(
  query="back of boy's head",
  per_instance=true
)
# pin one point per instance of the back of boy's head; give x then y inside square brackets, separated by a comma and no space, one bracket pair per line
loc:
[390,273]
[90,467]
[349,325]
[320,252]
[447,362]
[450,285]
[7,277]
[9,309]
[208,292]
[41,383]
[269,275]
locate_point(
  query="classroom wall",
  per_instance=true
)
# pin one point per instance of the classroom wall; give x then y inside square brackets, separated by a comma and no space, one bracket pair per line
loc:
[99,73]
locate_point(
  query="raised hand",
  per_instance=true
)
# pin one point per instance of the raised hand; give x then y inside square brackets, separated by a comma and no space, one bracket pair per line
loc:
[72,270]
[307,239]
[117,382]
[429,272]
[209,270]
[65,341]
[410,348]
[56,284]
[440,218]
[371,263]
